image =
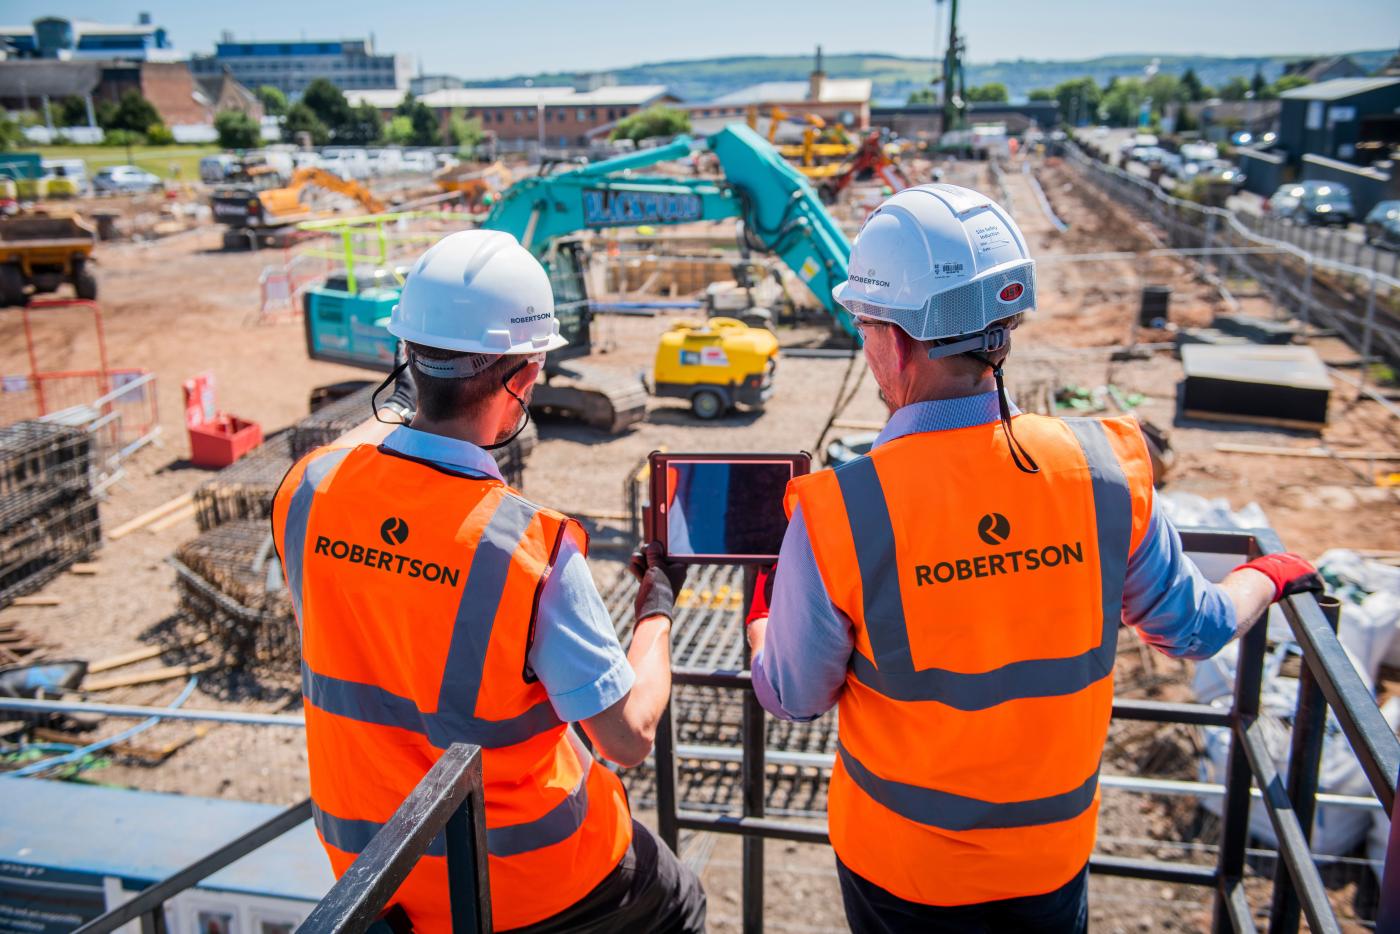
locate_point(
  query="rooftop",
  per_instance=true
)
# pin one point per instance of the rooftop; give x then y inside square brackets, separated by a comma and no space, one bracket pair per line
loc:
[834,90]
[1338,89]
[380,98]
[619,95]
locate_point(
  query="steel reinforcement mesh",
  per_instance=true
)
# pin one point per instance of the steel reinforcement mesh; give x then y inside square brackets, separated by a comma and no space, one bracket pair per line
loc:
[48,517]
[709,633]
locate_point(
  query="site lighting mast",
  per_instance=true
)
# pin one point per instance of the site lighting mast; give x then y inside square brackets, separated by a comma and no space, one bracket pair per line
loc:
[954,89]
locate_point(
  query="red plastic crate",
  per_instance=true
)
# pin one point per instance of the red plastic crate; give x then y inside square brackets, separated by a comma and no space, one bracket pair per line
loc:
[223,440]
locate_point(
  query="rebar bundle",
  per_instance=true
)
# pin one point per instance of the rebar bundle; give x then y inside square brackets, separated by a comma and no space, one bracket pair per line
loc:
[48,516]
[223,579]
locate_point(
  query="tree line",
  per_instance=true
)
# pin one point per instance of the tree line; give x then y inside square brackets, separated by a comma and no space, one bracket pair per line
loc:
[1119,101]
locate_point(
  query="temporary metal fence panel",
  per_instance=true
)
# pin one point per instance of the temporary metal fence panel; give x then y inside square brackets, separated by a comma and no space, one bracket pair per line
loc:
[1307,275]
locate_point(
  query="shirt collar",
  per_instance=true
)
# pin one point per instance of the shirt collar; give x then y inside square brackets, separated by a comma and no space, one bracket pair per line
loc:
[943,415]
[449,453]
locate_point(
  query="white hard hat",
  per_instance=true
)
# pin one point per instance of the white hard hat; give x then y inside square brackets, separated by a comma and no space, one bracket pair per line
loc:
[481,292]
[940,261]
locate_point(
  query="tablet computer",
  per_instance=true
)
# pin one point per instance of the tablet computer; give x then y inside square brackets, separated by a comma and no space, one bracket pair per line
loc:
[721,508]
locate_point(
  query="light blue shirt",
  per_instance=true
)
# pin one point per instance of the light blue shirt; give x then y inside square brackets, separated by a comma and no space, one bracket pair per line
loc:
[801,671]
[575,652]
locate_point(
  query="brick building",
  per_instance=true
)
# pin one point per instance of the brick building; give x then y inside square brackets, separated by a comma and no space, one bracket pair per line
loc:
[563,117]
[170,87]
[834,100]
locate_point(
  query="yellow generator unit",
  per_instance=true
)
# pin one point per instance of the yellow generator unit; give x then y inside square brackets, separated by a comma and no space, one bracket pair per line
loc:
[717,365]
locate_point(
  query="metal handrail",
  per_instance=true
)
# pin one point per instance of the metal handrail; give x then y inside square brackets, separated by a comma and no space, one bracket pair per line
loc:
[149,904]
[449,801]
[1328,680]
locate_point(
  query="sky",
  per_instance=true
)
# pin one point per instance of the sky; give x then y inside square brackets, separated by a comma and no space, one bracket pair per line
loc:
[500,38]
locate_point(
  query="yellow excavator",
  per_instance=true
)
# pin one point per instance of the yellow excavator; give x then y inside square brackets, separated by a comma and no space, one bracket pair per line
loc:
[259,210]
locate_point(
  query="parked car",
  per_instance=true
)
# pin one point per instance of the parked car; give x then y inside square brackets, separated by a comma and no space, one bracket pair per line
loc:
[125,178]
[1383,225]
[1313,202]
[215,169]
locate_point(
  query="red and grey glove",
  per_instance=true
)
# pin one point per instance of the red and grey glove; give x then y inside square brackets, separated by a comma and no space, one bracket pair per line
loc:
[762,594]
[1290,573]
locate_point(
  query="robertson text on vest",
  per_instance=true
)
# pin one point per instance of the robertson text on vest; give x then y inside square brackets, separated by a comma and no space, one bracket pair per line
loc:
[386,561]
[1006,562]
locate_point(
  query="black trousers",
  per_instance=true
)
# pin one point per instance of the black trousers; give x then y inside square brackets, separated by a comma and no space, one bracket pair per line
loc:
[650,890]
[872,910]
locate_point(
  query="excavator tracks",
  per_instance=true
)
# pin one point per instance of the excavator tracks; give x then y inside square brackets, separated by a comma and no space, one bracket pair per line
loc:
[601,398]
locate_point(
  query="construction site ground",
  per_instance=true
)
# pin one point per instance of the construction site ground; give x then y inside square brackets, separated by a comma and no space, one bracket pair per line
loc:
[180,305]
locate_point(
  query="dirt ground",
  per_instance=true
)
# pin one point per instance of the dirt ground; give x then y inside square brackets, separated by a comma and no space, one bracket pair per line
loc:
[180,305]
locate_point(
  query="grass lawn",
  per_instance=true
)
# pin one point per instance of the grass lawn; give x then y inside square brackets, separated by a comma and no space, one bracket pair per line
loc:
[164,161]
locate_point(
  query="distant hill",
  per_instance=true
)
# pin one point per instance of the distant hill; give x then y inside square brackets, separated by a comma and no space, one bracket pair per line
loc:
[897,77]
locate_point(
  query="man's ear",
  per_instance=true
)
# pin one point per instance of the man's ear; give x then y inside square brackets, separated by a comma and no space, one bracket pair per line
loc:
[905,347]
[523,380]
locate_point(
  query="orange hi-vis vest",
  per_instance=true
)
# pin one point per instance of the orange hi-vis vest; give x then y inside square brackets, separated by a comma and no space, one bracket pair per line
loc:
[985,603]
[416,590]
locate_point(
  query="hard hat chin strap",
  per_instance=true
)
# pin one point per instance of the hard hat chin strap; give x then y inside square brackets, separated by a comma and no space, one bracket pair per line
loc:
[374,396]
[993,339]
[505,384]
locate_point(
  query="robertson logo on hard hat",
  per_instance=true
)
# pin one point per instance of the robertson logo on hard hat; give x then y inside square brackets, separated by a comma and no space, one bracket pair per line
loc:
[1010,293]
[995,529]
[394,531]
[865,280]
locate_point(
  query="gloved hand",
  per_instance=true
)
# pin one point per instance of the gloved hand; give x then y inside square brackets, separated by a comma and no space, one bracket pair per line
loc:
[660,580]
[1290,573]
[762,593]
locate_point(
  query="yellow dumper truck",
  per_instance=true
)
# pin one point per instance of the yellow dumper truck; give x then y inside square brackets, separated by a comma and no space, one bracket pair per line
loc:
[43,252]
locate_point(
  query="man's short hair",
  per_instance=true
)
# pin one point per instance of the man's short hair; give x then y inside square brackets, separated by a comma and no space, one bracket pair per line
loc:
[442,398]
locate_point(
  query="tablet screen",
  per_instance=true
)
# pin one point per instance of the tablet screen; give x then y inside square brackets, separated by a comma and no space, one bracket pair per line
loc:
[724,509]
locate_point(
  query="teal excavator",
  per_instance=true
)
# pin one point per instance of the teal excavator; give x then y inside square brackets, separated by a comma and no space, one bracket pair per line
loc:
[778,213]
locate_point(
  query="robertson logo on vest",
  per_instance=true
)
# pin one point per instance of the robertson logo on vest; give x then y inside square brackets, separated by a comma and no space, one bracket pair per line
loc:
[394,531]
[995,529]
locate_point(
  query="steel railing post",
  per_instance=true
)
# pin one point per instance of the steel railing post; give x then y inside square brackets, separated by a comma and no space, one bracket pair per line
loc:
[468,883]
[1304,756]
[1388,914]
[1307,290]
[1367,332]
[667,817]
[1234,816]
[752,734]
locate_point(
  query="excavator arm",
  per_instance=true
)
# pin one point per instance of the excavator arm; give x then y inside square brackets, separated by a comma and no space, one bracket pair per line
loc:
[780,211]
[288,200]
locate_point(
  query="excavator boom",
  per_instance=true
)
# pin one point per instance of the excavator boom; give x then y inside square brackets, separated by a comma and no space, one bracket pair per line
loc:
[781,212]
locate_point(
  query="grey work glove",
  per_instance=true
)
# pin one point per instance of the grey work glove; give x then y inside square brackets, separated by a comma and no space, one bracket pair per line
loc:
[660,580]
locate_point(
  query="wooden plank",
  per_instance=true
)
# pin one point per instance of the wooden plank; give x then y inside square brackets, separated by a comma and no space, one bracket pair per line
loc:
[146,518]
[1313,452]
[36,600]
[175,518]
[147,677]
[141,654]
[1264,421]
[85,568]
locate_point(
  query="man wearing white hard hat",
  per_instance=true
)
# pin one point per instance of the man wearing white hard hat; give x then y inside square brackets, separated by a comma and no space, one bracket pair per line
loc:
[437,605]
[957,594]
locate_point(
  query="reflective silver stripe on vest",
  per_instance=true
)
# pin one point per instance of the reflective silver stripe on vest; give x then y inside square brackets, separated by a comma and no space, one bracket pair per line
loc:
[455,720]
[558,824]
[948,811]
[555,826]
[893,674]
[299,516]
